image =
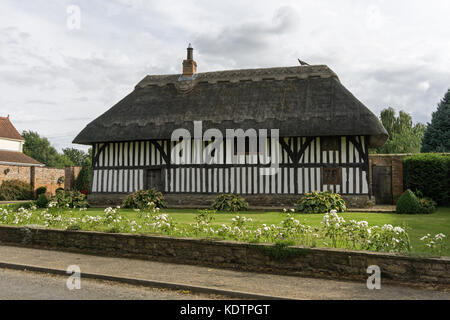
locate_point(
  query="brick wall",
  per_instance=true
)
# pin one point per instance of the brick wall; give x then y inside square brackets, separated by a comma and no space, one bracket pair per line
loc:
[48,177]
[40,176]
[395,162]
[15,173]
[71,174]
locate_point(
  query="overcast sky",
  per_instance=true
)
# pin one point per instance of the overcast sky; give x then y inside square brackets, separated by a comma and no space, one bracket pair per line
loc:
[56,78]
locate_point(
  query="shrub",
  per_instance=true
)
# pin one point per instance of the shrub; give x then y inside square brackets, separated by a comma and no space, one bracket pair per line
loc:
[321,202]
[142,199]
[83,181]
[408,203]
[428,205]
[41,201]
[69,199]
[230,203]
[429,174]
[11,190]
[40,190]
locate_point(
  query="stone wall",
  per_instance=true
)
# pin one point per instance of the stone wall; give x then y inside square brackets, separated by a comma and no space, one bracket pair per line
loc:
[192,200]
[39,176]
[342,264]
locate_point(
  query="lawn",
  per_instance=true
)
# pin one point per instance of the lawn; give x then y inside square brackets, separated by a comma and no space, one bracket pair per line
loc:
[416,225]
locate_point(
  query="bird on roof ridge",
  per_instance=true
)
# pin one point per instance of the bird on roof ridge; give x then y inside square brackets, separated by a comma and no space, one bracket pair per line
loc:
[303,63]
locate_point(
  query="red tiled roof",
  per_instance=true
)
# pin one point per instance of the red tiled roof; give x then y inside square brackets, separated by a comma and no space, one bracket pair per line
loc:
[17,157]
[7,129]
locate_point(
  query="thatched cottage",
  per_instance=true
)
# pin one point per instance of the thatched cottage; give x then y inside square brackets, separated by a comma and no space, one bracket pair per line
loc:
[324,137]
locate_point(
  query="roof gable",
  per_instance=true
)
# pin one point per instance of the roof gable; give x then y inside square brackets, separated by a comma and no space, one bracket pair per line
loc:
[7,130]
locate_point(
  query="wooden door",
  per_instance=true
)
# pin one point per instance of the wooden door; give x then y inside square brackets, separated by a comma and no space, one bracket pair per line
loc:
[154,179]
[382,184]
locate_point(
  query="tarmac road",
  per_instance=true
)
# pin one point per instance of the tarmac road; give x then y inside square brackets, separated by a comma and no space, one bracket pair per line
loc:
[25,285]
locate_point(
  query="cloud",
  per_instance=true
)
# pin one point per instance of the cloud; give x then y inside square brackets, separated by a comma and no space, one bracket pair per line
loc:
[55,80]
[246,42]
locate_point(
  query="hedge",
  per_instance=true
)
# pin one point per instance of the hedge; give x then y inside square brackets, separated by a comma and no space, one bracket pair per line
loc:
[428,173]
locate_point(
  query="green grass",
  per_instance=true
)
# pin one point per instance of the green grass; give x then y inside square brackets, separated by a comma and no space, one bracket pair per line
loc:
[417,225]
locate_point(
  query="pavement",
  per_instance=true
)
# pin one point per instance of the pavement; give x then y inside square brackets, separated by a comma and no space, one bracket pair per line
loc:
[224,282]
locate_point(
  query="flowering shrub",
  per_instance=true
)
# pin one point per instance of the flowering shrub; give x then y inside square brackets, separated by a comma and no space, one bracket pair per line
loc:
[321,202]
[203,220]
[428,205]
[142,199]
[69,199]
[163,223]
[358,235]
[230,202]
[435,244]
[334,231]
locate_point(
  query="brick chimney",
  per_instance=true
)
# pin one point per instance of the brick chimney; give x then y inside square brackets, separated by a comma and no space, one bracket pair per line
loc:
[189,65]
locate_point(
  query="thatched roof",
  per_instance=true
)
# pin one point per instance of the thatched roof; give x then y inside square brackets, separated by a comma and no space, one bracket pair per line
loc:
[300,101]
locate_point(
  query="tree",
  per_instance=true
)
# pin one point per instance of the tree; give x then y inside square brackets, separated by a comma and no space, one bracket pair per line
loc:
[83,181]
[404,137]
[437,134]
[78,157]
[39,148]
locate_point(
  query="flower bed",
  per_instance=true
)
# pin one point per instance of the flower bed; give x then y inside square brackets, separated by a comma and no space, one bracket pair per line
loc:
[334,231]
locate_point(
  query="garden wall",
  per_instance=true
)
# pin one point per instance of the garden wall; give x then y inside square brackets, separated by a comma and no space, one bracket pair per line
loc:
[40,176]
[335,263]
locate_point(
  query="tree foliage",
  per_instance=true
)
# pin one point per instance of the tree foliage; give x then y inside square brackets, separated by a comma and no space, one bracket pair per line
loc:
[39,148]
[77,156]
[437,134]
[404,137]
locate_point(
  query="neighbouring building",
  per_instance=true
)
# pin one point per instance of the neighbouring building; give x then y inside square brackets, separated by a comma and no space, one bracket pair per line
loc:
[15,165]
[11,146]
[324,137]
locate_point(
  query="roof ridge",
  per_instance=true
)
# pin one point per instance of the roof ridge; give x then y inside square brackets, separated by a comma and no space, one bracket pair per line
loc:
[236,75]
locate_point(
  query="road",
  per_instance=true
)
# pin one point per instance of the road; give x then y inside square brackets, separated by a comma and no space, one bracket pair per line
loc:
[25,285]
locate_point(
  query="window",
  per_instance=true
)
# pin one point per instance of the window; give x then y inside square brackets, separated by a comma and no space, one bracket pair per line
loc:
[329,143]
[331,176]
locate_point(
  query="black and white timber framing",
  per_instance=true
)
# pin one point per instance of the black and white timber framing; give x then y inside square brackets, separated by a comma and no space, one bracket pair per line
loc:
[122,167]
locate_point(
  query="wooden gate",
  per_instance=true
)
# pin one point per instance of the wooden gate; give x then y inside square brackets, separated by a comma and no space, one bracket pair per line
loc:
[382,184]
